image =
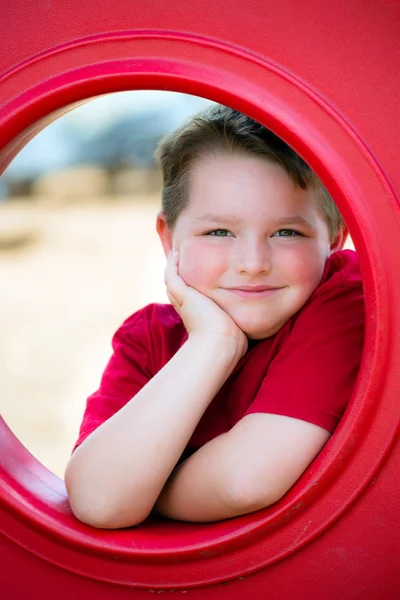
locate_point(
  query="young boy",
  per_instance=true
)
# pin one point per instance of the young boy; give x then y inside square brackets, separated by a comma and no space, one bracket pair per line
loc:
[213,406]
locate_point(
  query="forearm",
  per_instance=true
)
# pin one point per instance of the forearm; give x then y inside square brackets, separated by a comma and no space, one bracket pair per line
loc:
[204,488]
[246,469]
[116,475]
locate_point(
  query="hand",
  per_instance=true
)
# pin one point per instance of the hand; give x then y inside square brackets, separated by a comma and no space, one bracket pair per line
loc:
[200,315]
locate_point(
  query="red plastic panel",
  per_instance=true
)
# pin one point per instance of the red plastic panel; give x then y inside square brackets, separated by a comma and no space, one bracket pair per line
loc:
[303,70]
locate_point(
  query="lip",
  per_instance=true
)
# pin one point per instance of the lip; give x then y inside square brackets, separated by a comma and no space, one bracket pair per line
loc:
[254,291]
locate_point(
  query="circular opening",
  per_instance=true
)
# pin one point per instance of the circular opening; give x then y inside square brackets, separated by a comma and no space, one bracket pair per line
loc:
[80,203]
[330,147]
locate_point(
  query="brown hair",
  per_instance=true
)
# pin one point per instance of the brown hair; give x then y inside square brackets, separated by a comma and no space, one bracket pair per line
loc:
[222,129]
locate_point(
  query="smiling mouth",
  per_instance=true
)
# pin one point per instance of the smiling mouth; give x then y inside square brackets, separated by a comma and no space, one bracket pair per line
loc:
[254,291]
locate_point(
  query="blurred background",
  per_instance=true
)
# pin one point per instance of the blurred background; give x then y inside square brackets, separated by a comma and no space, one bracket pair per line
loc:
[78,254]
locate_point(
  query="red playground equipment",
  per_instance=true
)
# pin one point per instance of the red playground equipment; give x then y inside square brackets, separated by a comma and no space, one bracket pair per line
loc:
[325,76]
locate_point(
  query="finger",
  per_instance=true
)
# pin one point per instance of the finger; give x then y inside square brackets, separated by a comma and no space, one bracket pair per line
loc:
[171,266]
[175,284]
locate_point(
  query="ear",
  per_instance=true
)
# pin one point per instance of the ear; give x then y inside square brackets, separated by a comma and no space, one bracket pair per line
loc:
[340,239]
[164,233]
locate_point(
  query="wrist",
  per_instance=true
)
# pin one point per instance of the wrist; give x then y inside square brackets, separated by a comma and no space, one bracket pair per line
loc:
[217,346]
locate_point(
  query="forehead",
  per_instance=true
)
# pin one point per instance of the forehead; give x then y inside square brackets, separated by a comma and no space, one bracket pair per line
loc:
[236,184]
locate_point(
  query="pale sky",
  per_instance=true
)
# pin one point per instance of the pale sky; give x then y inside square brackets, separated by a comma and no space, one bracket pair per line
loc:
[53,146]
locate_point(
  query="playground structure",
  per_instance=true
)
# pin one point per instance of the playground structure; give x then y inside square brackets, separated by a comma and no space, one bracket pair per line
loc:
[326,78]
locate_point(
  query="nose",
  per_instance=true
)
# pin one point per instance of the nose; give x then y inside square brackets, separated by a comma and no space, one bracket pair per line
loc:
[253,257]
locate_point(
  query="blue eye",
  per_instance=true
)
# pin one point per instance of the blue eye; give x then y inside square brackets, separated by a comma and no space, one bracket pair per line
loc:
[218,233]
[287,233]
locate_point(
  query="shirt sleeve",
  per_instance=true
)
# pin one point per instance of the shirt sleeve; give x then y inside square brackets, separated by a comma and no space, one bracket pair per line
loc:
[127,372]
[313,375]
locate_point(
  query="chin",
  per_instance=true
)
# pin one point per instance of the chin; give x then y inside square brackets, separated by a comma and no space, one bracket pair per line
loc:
[256,333]
[254,325]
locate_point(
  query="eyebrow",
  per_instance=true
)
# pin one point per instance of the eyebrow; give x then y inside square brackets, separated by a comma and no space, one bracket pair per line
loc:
[278,222]
[211,218]
[294,220]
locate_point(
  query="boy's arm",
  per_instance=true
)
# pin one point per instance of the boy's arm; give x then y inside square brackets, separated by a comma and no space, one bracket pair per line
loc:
[259,459]
[115,476]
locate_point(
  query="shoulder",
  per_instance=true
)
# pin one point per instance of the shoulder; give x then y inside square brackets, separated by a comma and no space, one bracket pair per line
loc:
[342,270]
[153,315]
[155,324]
[339,296]
[341,281]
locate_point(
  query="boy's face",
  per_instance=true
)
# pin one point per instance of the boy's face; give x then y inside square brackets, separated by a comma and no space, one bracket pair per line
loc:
[251,240]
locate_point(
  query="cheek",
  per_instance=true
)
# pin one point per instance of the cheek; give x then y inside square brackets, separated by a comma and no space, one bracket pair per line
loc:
[199,266]
[304,266]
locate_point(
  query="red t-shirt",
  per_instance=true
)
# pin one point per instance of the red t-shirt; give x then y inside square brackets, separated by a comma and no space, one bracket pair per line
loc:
[307,370]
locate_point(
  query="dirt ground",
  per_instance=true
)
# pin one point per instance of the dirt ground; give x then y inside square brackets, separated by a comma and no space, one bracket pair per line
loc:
[69,276]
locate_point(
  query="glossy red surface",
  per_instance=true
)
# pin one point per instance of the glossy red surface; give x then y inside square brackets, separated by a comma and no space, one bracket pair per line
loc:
[325,77]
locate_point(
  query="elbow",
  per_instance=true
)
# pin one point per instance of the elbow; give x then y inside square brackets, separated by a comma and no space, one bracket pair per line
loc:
[96,509]
[100,516]
[103,520]
[91,509]
[91,515]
